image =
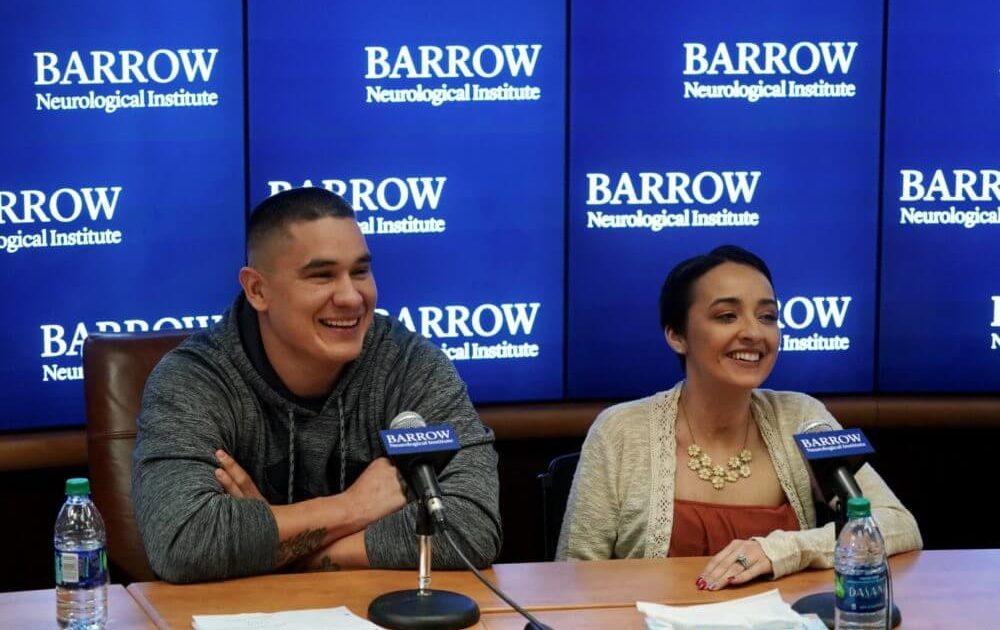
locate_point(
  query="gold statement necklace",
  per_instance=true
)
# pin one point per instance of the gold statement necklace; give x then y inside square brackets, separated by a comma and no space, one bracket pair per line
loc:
[738,466]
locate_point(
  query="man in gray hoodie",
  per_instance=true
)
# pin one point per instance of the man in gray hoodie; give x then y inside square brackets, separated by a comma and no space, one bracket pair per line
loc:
[258,443]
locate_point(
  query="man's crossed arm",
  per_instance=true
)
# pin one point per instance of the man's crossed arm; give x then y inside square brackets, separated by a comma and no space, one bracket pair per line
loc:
[325,533]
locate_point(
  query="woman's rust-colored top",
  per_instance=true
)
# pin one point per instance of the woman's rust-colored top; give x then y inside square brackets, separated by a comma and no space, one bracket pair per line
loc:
[704,529]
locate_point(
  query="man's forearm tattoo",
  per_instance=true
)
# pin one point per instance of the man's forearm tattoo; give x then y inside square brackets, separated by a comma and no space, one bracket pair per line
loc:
[300,544]
[326,564]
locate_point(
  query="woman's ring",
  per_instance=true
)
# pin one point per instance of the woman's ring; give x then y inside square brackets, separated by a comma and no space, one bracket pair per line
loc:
[744,561]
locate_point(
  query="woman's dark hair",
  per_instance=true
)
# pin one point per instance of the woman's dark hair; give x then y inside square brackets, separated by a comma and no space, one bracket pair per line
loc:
[676,294]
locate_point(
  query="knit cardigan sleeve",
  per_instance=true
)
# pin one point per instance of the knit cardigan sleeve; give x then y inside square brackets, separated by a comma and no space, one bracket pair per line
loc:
[812,547]
[790,552]
[590,526]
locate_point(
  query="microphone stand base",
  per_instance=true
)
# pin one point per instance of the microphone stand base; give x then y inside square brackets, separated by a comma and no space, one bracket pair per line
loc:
[822,605]
[418,610]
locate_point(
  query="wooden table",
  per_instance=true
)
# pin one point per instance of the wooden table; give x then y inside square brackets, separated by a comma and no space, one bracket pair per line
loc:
[934,589]
[37,609]
[618,618]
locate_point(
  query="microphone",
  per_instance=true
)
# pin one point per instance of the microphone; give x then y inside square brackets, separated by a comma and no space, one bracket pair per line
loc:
[417,450]
[420,451]
[833,457]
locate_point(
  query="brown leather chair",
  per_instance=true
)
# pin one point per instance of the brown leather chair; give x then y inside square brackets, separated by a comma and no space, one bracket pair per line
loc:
[115,369]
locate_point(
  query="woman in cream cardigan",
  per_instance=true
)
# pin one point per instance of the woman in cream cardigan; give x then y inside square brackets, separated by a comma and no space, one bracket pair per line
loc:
[709,467]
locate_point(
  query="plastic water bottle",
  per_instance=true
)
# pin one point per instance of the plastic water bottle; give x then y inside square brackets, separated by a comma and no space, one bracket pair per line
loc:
[860,571]
[81,561]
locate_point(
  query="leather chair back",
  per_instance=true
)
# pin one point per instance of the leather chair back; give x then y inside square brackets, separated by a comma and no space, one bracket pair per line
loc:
[556,482]
[115,369]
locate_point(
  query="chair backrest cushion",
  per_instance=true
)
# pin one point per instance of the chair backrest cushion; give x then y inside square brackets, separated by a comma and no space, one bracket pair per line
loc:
[556,484]
[115,369]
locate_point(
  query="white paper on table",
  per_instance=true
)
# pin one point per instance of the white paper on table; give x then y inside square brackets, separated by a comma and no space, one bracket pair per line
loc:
[326,618]
[765,611]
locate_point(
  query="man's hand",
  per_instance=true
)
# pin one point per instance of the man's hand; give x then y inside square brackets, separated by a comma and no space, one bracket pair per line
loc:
[235,481]
[740,562]
[378,491]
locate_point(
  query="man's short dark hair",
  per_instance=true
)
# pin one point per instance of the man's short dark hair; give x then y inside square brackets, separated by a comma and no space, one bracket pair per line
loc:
[676,295]
[277,212]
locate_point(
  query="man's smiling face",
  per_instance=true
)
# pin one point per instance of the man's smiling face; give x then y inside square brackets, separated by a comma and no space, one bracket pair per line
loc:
[318,296]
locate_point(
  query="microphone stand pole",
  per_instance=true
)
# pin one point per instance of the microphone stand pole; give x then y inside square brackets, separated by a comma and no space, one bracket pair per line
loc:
[424,579]
[423,608]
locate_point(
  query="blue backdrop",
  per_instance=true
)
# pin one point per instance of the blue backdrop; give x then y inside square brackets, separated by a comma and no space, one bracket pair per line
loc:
[477,184]
[113,217]
[940,325]
[526,174]
[798,177]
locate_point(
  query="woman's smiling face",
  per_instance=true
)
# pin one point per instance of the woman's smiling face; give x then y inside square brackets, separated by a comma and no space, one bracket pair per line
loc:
[731,336]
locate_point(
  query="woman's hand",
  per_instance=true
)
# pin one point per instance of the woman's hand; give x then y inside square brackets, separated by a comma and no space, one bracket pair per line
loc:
[740,562]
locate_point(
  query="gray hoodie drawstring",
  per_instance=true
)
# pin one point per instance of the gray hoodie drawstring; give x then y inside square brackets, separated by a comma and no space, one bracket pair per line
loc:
[343,463]
[291,455]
